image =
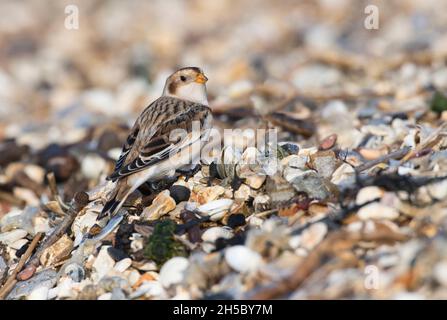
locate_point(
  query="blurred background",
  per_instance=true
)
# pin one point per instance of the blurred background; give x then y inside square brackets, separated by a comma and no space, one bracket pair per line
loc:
[55,82]
[70,90]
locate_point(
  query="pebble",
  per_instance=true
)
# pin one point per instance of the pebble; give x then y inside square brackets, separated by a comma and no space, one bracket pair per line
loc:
[162,204]
[216,209]
[242,259]
[57,252]
[46,278]
[311,183]
[313,235]
[214,233]
[179,193]
[123,265]
[173,271]
[377,211]
[102,265]
[236,220]
[10,237]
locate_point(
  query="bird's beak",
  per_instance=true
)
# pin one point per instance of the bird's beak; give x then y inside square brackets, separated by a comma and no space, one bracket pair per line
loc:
[201,78]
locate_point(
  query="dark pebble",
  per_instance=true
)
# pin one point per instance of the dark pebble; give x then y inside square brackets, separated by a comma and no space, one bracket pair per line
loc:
[236,220]
[117,254]
[123,234]
[290,148]
[179,193]
[22,250]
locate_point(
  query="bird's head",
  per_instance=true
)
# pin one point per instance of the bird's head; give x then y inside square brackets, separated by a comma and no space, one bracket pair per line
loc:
[188,84]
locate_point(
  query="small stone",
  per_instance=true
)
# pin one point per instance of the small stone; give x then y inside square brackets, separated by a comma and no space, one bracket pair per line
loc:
[214,233]
[313,235]
[40,293]
[46,278]
[117,254]
[3,269]
[173,271]
[367,194]
[255,181]
[312,184]
[17,245]
[324,162]
[93,165]
[262,202]
[103,264]
[216,209]
[162,204]
[377,211]
[10,237]
[209,194]
[179,193]
[236,220]
[57,252]
[243,193]
[123,265]
[328,142]
[242,258]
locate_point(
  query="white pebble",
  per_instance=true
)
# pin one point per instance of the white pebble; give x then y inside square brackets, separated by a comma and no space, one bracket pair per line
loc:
[172,272]
[242,259]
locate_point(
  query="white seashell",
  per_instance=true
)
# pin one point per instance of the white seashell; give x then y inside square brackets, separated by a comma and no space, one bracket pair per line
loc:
[103,264]
[313,235]
[40,293]
[122,265]
[105,296]
[377,211]
[367,194]
[18,244]
[242,259]
[214,233]
[344,174]
[65,288]
[216,209]
[12,236]
[148,289]
[173,271]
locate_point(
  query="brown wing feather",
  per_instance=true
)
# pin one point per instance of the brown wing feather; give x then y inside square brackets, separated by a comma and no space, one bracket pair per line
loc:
[155,125]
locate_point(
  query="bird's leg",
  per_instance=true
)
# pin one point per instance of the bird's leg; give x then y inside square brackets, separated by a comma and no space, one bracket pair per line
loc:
[189,172]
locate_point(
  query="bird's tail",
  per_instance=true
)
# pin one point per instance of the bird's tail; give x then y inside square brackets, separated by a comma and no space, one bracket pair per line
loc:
[115,202]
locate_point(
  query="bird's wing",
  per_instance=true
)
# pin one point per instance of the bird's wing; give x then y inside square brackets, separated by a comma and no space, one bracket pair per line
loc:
[154,141]
[127,146]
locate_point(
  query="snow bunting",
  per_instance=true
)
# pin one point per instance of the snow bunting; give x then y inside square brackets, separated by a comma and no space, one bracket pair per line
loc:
[155,147]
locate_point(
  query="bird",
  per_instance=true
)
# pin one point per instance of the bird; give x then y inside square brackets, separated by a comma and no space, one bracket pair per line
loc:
[167,136]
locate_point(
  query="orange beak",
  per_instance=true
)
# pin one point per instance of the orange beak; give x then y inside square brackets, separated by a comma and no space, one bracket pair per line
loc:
[201,78]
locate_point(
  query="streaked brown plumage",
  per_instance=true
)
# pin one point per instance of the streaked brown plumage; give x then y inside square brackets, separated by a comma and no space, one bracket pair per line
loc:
[150,153]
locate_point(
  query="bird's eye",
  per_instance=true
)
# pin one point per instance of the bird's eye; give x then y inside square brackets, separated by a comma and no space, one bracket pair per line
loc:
[183,78]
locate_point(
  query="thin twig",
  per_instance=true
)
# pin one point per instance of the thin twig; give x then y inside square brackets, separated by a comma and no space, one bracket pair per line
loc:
[393,155]
[53,188]
[9,284]
[79,202]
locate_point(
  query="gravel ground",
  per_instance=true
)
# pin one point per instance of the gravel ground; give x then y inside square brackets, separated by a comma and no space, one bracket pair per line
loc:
[349,204]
